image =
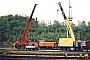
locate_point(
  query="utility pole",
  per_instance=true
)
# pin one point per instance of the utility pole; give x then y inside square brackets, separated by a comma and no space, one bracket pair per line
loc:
[70,15]
[70,12]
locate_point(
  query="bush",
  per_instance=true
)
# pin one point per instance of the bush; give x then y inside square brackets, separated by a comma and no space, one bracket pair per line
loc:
[4,45]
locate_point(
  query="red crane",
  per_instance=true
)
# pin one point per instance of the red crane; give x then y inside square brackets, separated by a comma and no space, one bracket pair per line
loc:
[22,42]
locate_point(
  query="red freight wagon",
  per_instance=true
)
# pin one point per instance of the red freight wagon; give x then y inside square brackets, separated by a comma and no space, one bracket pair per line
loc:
[46,44]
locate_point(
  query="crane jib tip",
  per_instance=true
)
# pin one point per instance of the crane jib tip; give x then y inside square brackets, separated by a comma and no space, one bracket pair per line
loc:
[59,3]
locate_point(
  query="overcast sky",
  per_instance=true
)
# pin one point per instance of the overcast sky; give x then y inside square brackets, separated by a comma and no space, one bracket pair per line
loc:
[47,9]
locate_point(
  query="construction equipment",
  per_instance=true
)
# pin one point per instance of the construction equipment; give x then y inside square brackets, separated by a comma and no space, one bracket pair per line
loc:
[22,42]
[68,43]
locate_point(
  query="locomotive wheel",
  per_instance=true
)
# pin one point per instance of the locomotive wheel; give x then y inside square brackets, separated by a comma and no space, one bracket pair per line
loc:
[22,46]
[18,46]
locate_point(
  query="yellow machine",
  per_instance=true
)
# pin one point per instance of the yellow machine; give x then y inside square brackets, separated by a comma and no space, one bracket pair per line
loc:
[69,43]
[66,41]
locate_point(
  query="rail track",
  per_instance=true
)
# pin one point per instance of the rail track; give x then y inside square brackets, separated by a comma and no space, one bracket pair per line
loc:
[38,50]
[10,54]
[38,56]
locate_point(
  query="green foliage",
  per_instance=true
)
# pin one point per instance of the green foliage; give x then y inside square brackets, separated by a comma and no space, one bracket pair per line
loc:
[4,45]
[12,27]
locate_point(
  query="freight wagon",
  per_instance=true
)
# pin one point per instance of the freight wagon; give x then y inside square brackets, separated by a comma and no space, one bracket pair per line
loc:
[88,45]
[48,45]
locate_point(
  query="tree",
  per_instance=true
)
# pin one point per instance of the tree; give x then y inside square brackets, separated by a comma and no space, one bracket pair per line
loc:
[4,29]
[82,25]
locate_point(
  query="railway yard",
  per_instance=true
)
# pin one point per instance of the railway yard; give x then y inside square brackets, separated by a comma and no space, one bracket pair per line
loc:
[65,48]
